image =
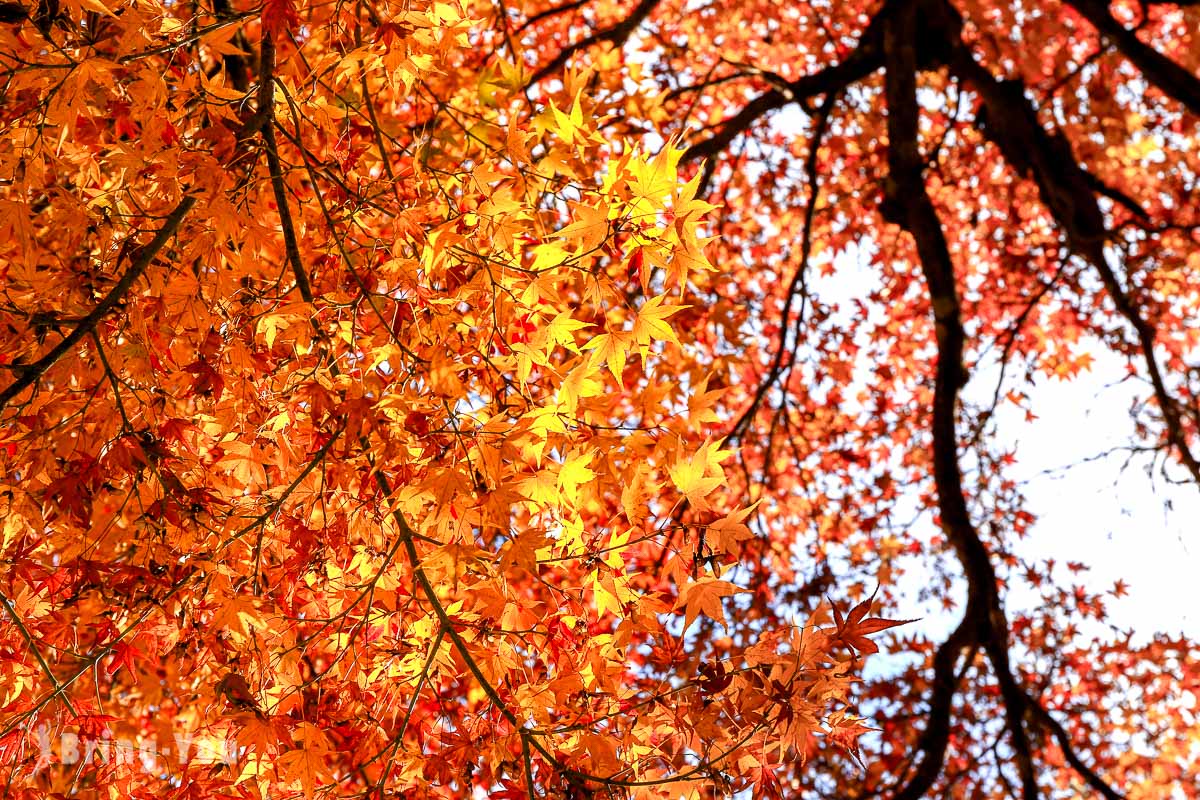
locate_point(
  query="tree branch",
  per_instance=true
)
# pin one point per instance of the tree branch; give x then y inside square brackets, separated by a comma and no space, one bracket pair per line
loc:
[936,736]
[1171,78]
[553,11]
[143,255]
[907,204]
[798,283]
[1067,190]
[1064,743]
[617,34]
[266,111]
[37,653]
[866,58]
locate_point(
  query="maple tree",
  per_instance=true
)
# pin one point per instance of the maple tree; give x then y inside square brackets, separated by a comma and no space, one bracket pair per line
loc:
[453,399]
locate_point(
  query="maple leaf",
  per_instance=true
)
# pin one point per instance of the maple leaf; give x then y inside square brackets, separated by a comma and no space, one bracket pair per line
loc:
[566,125]
[125,655]
[636,492]
[853,629]
[650,322]
[245,464]
[573,473]
[723,535]
[279,17]
[265,736]
[845,732]
[576,386]
[238,615]
[701,402]
[561,330]
[704,596]
[305,765]
[611,349]
[541,487]
[93,725]
[590,228]
[699,474]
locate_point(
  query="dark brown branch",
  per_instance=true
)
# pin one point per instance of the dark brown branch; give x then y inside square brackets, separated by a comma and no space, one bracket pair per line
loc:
[1067,191]
[936,736]
[553,11]
[866,58]
[798,285]
[1064,743]
[143,256]
[996,645]
[1117,196]
[617,34]
[907,203]
[266,110]
[234,63]
[707,83]
[1173,79]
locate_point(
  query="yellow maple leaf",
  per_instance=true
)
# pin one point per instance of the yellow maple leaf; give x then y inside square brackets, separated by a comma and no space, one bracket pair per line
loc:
[561,330]
[612,553]
[304,765]
[541,487]
[636,491]
[611,349]
[577,385]
[701,401]
[565,125]
[606,595]
[245,464]
[574,473]
[696,477]
[238,615]
[650,322]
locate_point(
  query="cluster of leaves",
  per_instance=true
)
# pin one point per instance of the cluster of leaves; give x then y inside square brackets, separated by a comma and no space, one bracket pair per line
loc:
[928,207]
[358,428]
[465,398]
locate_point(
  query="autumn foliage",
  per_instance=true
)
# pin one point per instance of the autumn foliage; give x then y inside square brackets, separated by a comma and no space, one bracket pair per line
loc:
[462,399]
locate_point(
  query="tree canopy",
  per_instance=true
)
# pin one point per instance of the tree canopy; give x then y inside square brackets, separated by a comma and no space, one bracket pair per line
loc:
[482,398]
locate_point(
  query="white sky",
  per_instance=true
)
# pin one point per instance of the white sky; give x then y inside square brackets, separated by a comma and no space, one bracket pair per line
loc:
[1116,522]
[1088,510]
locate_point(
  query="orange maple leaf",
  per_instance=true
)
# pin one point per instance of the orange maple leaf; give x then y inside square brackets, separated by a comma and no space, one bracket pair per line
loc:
[854,628]
[704,597]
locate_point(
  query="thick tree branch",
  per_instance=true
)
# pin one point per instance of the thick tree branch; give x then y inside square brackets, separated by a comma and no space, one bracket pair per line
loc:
[1068,192]
[235,62]
[907,204]
[1117,196]
[936,736]
[266,109]
[1171,78]
[142,257]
